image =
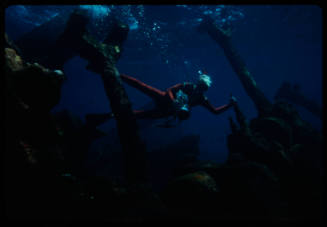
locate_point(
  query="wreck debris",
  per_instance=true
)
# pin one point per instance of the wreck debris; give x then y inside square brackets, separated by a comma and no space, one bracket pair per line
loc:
[42,151]
[276,172]
[76,138]
[294,95]
[28,115]
[102,58]
[223,38]
[23,77]
[278,138]
[244,125]
[32,152]
[290,149]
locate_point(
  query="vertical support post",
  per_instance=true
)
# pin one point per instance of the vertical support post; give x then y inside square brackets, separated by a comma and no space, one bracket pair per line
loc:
[102,58]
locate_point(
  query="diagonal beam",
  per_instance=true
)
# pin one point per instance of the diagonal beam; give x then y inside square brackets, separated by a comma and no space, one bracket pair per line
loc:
[223,38]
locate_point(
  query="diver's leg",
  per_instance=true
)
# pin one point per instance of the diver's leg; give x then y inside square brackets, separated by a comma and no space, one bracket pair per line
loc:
[146,89]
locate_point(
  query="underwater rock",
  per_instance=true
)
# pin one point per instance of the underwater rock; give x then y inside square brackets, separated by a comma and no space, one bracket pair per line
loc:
[246,188]
[25,77]
[10,44]
[205,166]
[192,195]
[13,61]
[31,91]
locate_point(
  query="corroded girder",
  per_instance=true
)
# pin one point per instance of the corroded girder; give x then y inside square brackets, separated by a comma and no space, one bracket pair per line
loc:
[223,38]
[102,58]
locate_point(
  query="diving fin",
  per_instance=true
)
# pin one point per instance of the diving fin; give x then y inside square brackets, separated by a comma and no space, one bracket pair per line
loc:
[97,119]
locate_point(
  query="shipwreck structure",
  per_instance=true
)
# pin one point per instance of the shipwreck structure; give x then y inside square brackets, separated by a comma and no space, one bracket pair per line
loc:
[289,149]
[102,57]
[294,95]
[66,36]
[273,171]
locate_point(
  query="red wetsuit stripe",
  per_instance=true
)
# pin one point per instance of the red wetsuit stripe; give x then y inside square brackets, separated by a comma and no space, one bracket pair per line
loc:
[146,89]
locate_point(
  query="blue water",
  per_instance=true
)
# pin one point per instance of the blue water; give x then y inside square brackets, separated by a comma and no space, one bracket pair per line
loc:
[278,43]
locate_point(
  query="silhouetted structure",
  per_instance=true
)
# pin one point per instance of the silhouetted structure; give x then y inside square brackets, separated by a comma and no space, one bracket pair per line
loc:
[223,38]
[294,95]
[102,58]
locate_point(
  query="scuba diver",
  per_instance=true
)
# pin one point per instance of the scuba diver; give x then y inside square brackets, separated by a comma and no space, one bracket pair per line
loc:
[175,102]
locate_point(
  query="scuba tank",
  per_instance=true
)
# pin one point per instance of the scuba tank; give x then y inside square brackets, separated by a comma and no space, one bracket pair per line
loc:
[182,106]
[182,111]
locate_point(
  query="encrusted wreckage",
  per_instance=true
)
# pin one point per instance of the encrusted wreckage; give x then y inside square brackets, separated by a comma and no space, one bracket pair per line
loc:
[102,57]
[274,164]
[289,148]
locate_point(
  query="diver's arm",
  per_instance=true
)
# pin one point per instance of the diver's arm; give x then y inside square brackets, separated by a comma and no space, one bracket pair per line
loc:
[131,81]
[216,110]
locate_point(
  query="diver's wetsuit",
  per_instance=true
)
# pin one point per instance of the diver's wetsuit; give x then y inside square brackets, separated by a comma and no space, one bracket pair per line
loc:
[165,99]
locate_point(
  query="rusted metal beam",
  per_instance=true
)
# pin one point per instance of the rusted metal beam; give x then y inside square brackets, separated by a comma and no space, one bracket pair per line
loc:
[223,38]
[102,58]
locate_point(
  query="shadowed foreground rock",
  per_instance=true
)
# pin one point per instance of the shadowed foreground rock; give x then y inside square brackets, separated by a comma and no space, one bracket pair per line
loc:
[31,150]
[31,91]
[43,158]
